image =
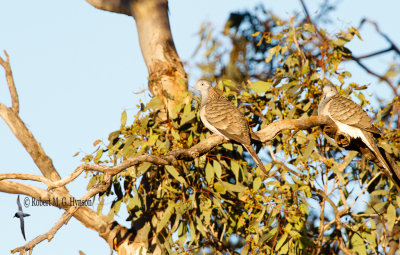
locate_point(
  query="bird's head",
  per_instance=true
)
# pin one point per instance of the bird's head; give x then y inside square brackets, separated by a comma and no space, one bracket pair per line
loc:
[329,90]
[202,86]
[15,215]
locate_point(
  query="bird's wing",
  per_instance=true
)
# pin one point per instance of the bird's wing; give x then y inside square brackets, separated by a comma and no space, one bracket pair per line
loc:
[21,219]
[228,120]
[348,112]
[19,204]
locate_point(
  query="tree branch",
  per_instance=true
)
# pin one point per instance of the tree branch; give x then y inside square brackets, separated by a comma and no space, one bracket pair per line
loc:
[117,6]
[35,150]
[64,218]
[89,218]
[381,77]
[392,44]
[10,80]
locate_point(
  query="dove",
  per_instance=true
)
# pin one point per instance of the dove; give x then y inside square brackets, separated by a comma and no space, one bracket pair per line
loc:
[221,117]
[351,119]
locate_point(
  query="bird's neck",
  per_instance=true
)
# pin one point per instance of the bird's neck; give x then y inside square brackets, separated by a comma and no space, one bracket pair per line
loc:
[204,97]
[213,94]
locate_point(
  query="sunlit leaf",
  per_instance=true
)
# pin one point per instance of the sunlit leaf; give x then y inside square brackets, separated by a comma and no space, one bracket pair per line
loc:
[166,216]
[175,174]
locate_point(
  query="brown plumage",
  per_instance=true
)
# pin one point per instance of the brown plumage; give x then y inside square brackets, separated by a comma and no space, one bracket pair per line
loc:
[351,119]
[223,118]
[346,111]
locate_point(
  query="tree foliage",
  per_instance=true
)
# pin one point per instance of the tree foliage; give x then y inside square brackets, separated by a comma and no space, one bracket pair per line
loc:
[318,198]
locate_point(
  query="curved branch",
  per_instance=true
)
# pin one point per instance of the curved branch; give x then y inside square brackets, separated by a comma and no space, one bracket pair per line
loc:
[264,135]
[117,6]
[273,129]
[88,217]
[30,177]
[64,218]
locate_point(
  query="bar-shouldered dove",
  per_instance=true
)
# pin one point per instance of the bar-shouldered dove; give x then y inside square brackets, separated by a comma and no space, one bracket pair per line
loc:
[221,117]
[351,119]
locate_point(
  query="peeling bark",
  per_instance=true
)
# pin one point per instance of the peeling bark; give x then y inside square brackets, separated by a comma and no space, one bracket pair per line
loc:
[167,78]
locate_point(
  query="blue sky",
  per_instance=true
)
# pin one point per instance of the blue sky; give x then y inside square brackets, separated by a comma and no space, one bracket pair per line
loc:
[76,69]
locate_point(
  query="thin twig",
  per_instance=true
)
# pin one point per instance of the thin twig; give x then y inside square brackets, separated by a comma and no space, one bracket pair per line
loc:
[365,188]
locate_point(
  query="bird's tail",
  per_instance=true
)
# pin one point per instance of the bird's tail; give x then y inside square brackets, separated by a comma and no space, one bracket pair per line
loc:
[254,155]
[387,169]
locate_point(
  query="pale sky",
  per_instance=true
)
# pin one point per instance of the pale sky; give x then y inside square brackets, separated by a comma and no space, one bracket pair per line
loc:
[76,69]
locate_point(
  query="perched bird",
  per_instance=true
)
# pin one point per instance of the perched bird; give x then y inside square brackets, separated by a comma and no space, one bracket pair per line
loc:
[221,117]
[20,214]
[351,119]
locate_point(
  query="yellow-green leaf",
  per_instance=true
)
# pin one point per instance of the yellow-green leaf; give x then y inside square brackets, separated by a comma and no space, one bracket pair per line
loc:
[165,218]
[123,119]
[209,173]
[175,174]
[260,86]
[391,216]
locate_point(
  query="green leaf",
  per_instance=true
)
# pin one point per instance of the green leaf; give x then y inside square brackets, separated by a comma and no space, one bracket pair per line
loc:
[154,103]
[188,114]
[153,138]
[235,169]
[98,156]
[192,233]
[144,167]
[117,206]
[165,218]
[391,216]
[217,168]
[358,244]
[260,86]
[281,241]
[175,174]
[219,188]
[182,230]
[309,149]
[228,146]
[123,119]
[234,187]
[200,226]
[380,193]
[257,183]
[209,173]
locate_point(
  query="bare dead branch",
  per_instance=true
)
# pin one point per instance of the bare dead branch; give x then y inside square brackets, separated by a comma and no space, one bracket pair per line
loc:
[30,177]
[10,80]
[64,218]
[22,133]
[88,217]
[375,53]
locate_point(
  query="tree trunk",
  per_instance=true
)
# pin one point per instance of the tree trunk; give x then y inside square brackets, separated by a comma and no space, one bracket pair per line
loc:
[167,78]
